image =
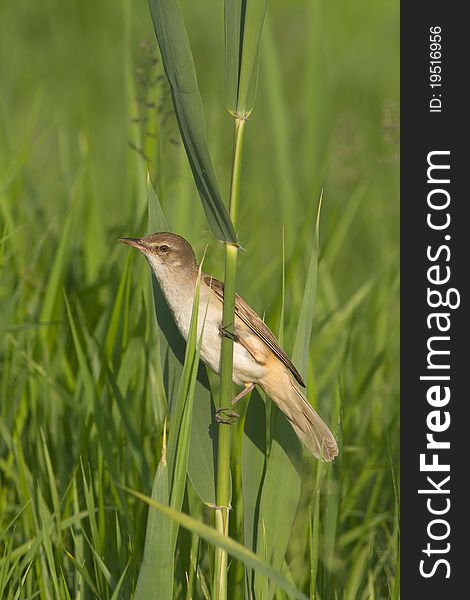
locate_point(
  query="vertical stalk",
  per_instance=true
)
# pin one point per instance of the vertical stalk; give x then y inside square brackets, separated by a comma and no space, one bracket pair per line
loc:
[226,388]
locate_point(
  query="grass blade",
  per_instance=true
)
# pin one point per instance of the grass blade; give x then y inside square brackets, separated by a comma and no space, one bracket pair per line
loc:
[156,571]
[229,545]
[62,256]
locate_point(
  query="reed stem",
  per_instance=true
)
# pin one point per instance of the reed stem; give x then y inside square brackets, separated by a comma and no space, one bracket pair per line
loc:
[226,386]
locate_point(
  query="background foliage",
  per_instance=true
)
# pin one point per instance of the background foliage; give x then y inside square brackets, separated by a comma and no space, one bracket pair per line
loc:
[83,103]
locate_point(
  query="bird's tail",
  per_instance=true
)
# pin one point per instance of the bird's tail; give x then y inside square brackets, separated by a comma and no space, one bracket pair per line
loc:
[309,427]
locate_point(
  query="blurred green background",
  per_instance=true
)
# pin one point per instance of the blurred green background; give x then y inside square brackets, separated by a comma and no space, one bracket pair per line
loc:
[80,85]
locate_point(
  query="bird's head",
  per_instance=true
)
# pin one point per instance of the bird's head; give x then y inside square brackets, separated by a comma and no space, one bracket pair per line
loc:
[167,253]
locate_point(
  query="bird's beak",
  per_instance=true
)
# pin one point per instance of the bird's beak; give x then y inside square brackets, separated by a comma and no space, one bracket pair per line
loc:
[136,242]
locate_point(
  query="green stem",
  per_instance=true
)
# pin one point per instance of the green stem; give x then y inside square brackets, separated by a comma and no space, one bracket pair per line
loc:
[226,387]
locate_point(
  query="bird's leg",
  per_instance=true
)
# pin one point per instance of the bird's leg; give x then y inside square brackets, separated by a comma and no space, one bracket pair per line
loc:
[227,416]
[246,390]
[223,331]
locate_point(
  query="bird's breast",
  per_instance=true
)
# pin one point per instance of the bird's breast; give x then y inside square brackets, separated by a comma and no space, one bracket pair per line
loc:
[245,368]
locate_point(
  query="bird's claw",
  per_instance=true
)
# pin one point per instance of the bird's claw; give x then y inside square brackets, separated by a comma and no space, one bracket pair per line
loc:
[224,332]
[226,416]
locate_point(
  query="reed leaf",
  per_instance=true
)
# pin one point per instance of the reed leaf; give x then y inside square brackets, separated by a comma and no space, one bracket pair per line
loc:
[157,572]
[178,447]
[243,26]
[203,449]
[253,470]
[204,436]
[179,68]
[314,530]
[279,497]
[281,487]
[305,324]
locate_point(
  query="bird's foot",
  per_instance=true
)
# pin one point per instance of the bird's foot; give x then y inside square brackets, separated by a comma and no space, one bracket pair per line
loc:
[226,416]
[224,332]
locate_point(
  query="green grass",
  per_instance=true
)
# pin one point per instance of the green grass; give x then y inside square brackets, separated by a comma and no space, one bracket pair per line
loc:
[83,398]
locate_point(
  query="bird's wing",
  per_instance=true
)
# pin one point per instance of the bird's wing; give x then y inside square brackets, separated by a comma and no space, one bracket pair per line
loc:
[252,320]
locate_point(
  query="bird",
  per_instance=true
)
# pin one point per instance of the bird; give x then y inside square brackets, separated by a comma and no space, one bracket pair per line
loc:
[258,358]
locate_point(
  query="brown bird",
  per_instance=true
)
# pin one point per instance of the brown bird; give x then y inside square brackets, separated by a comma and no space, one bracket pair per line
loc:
[257,355]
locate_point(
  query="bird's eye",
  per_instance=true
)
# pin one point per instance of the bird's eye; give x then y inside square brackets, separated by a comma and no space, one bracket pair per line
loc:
[164,248]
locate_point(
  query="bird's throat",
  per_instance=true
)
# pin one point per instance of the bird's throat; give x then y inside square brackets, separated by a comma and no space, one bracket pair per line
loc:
[178,287]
